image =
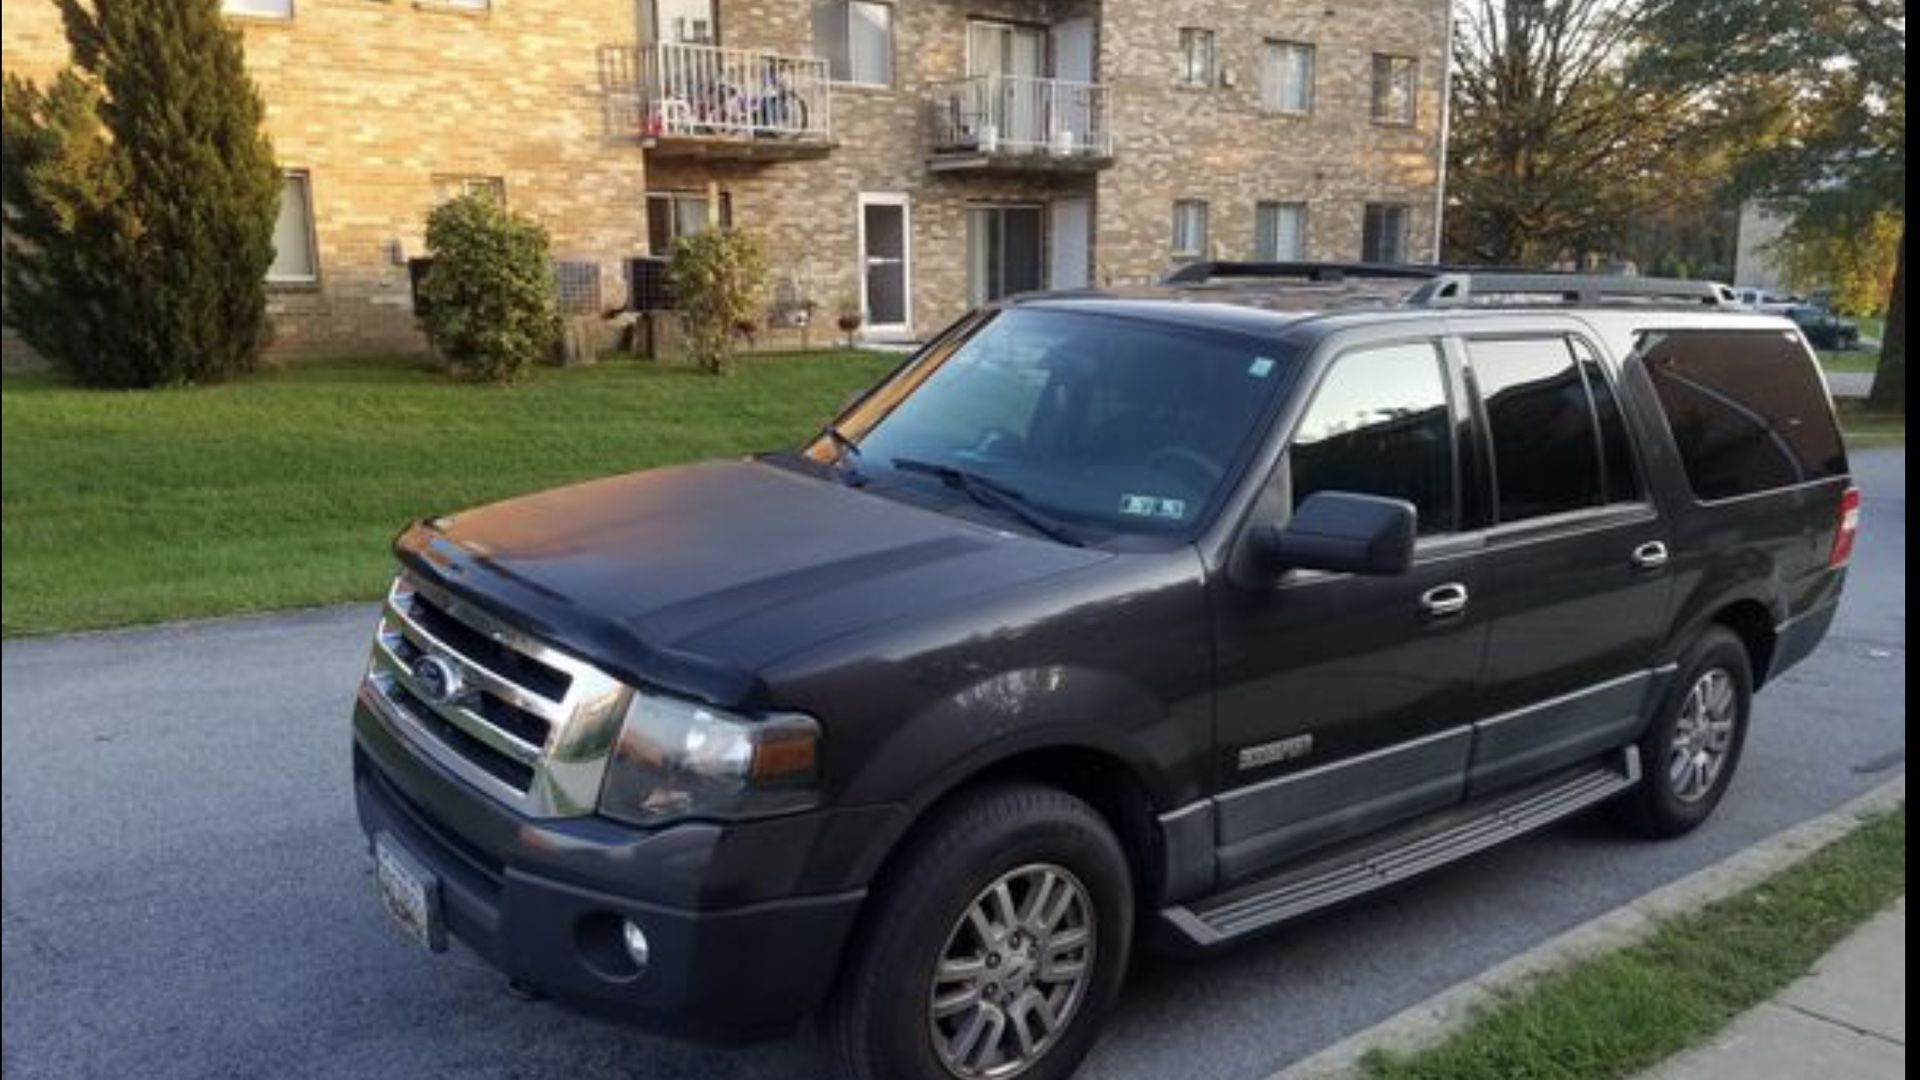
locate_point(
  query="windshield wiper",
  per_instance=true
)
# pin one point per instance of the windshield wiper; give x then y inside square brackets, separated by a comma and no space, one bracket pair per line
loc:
[993,494]
[848,461]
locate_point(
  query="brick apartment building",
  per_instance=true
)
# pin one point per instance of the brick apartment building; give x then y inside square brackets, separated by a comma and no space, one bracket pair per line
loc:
[919,156]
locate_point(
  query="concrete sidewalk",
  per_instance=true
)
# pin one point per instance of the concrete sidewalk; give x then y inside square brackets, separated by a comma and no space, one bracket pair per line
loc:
[1848,1019]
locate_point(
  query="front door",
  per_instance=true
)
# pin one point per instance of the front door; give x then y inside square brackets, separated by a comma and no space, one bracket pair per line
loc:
[1345,702]
[886,276]
[1003,252]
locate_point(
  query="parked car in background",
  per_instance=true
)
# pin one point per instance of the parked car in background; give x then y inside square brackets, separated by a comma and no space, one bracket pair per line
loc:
[1768,300]
[1825,329]
[1169,615]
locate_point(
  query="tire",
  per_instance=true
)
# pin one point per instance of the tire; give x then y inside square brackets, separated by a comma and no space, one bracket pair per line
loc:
[1679,791]
[882,1025]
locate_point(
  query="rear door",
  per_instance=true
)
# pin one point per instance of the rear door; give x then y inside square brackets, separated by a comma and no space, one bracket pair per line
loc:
[1577,582]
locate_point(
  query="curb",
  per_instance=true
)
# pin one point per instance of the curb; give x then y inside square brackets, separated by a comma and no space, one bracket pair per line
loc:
[1430,1022]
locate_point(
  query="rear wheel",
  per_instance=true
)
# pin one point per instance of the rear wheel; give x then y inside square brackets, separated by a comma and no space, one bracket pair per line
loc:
[996,947]
[1692,747]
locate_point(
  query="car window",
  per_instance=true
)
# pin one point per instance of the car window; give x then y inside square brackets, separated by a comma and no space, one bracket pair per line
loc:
[1746,407]
[1546,449]
[1379,424]
[1097,419]
[1617,458]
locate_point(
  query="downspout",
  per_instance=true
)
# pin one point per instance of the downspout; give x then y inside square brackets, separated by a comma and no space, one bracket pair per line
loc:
[1446,133]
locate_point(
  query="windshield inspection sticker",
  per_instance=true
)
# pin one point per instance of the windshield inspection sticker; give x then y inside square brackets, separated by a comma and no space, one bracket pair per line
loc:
[1154,507]
[1261,367]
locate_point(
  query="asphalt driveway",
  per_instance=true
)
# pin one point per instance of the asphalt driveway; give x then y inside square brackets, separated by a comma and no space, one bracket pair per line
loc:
[186,894]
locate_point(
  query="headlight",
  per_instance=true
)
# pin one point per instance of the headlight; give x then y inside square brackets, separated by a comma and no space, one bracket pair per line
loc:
[677,759]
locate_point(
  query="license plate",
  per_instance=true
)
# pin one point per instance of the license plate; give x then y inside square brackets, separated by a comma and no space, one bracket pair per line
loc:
[410,892]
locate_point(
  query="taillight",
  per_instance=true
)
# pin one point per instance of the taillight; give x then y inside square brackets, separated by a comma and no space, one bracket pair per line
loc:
[1848,529]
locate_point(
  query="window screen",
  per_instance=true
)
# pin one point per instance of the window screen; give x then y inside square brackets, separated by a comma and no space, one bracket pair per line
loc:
[1747,410]
[1546,453]
[1383,233]
[293,256]
[1379,425]
[856,39]
[1395,89]
[1286,77]
[1189,228]
[1197,57]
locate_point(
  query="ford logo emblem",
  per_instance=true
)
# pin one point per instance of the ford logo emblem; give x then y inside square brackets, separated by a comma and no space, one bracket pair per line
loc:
[437,679]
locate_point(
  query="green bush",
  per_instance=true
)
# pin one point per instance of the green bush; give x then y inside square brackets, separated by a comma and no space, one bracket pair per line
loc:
[487,301]
[140,198]
[718,277]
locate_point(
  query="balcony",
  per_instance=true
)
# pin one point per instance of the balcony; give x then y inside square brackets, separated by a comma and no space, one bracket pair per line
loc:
[1018,123]
[702,101]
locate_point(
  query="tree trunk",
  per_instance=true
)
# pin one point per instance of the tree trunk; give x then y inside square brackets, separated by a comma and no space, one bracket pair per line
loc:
[1890,381]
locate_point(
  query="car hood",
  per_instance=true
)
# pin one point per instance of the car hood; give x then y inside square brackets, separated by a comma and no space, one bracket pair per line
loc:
[695,578]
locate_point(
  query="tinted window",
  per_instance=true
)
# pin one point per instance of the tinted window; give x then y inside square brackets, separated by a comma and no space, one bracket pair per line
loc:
[1747,410]
[1545,451]
[1379,425]
[1616,451]
[1100,420]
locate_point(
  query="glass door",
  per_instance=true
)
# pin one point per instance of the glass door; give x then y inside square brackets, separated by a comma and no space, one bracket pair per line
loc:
[1013,58]
[886,277]
[1004,252]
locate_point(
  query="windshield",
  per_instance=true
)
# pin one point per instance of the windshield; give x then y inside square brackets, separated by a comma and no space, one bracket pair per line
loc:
[1093,419]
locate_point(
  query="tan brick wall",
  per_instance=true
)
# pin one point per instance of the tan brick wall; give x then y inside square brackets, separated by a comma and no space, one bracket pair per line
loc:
[1219,145]
[377,99]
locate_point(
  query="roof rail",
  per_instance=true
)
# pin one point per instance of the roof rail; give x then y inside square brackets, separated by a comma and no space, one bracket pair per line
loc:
[1464,288]
[1198,273]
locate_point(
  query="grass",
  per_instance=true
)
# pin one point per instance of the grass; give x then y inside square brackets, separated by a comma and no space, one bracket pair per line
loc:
[284,490]
[1621,1013]
[1864,363]
[1865,428]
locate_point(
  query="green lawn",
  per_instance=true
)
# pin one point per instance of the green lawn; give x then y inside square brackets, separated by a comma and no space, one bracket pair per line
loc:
[1855,361]
[284,490]
[1619,1014]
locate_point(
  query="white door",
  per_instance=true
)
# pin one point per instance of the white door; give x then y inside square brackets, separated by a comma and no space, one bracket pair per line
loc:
[886,273]
[1072,234]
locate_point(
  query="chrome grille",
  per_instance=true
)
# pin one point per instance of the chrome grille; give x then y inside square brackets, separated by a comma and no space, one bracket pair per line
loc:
[528,724]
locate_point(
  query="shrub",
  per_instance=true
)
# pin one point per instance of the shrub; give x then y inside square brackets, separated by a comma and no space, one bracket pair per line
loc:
[140,198]
[718,277]
[487,301]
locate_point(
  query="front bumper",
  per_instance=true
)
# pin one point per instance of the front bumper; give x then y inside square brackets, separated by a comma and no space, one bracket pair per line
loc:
[738,948]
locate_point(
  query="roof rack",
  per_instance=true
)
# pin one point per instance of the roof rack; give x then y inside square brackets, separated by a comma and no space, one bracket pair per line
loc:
[1450,287]
[1464,288]
[1198,273]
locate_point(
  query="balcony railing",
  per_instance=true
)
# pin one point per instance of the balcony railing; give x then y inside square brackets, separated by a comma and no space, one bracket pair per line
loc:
[1048,121]
[670,92]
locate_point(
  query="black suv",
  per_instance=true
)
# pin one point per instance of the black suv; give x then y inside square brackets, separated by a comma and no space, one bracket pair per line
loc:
[1170,615]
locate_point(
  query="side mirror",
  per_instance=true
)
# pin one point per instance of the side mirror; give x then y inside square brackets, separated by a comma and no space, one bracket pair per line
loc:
[1344,533]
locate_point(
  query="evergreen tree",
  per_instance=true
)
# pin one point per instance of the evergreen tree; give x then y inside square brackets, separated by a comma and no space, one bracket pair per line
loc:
[140,197]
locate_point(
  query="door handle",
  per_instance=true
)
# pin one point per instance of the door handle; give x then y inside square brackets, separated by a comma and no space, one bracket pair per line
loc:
[1444,601]
[1651,555]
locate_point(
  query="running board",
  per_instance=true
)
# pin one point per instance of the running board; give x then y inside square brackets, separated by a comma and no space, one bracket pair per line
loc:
[1361,867]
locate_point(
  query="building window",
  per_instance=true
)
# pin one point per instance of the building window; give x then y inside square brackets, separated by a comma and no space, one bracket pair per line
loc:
[1286,77]
[294,260]
[684,22]
[672,215]
[1383,237]
[856,39]
[1280,231]
[259,9]
[1396,82]
[1199,57]
[1189,229]
[446,188]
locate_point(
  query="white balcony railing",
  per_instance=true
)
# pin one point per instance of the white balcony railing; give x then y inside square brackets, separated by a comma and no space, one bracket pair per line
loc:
[1015,114]
[704,90]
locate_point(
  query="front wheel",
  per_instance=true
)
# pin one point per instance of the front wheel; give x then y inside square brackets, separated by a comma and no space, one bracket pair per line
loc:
[1692,747]
[996,945]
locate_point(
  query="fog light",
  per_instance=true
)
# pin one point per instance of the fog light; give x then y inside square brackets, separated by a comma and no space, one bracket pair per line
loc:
[635,940]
